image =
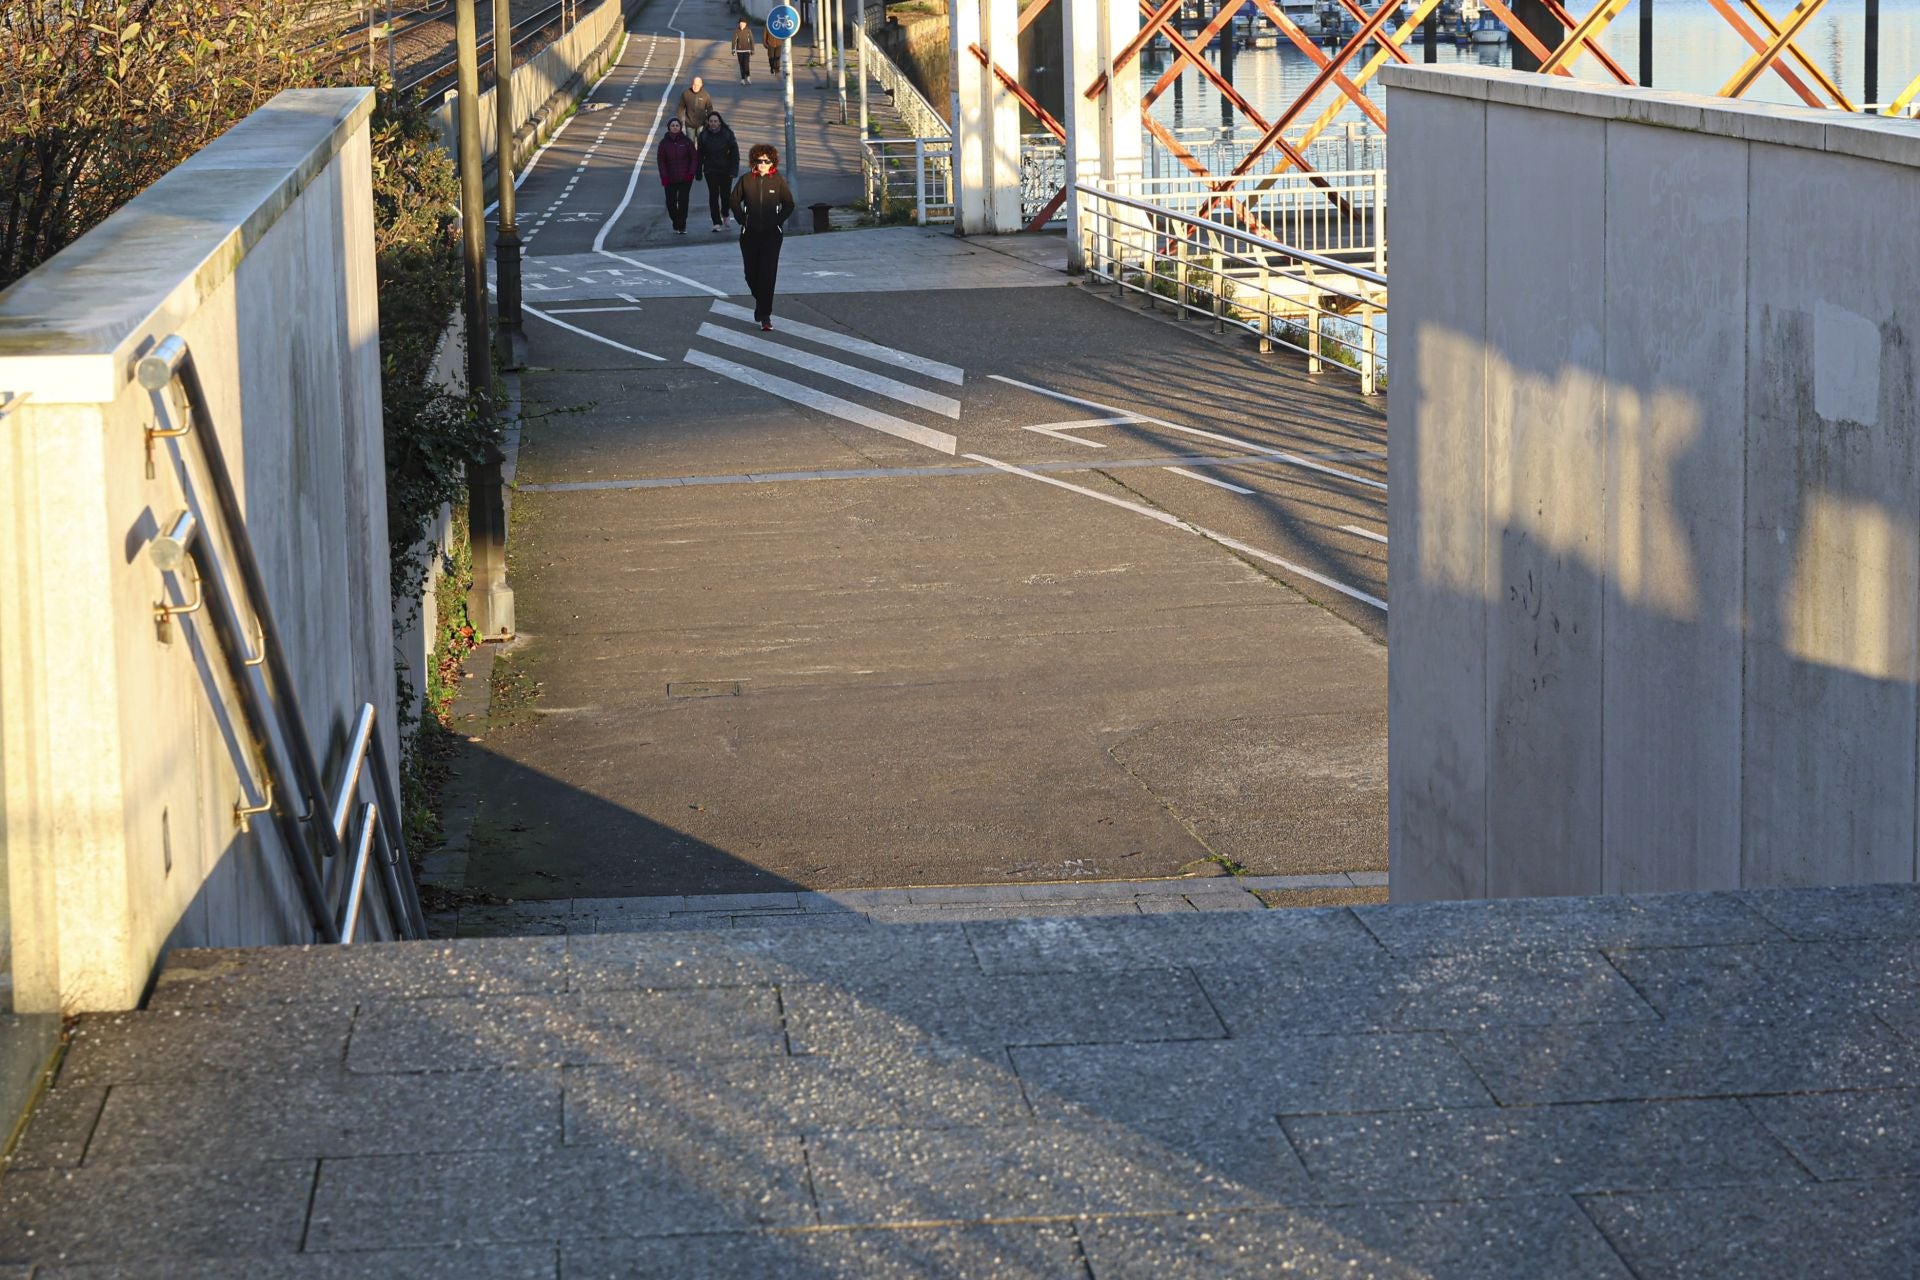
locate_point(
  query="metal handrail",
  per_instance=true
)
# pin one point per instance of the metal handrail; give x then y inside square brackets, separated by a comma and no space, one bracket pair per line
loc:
[919,115]
[269,699]
[1203,266]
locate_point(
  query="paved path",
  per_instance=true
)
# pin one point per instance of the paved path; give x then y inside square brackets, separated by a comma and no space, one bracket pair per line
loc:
[965,574]
[1697,1086]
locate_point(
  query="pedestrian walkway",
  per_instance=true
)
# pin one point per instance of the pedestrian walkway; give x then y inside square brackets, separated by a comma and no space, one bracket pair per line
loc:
[1700,1086]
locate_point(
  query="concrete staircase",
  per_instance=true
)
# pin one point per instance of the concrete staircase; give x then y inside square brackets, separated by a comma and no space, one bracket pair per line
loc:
[1688,1085]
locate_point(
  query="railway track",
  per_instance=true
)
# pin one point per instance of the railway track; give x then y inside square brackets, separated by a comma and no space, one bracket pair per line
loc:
[416,42]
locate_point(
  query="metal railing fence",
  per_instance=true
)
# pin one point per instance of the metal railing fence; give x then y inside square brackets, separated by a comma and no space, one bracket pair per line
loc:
[909,174]
[1347,147]
[1337,214]
[334,836]
[1330,311]
[919,115]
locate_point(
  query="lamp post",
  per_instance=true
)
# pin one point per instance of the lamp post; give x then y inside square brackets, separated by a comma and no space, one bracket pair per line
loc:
[506,242]
[489,600]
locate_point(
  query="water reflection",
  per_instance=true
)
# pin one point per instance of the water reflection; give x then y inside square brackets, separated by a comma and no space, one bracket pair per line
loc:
[1695,51]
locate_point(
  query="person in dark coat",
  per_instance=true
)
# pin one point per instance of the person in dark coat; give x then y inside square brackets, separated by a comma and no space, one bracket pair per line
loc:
[679,165]
[743,50]
[762,203]
[719,164]
[695,102]
[774,44]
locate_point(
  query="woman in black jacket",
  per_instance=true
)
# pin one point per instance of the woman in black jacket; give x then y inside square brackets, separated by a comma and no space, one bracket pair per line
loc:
[719,163]
[762,203]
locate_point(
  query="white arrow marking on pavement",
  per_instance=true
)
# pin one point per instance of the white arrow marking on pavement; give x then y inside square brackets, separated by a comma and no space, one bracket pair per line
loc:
[857,413]
[856,346]
[1195,475]
[892,387]
[588,333]
[826,273]
[1058,430]
[1169,519]
[1277,455]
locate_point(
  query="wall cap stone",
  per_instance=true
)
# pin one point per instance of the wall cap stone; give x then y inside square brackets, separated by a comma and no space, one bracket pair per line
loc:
[1882,138]
[71,330]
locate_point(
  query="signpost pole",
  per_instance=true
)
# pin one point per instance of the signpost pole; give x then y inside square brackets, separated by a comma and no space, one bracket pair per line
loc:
[783,24]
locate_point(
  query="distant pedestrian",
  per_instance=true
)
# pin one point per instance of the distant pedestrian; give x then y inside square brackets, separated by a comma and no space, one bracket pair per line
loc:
[719,164]
[762,203]
[695,102]
[743,50]
[773,43]
[679,163]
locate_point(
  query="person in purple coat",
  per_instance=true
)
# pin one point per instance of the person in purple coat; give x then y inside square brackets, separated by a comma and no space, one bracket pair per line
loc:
[679,165]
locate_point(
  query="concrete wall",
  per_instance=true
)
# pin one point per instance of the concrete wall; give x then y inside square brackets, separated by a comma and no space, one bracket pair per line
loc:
[1655,467]
[544,85]
[124,755]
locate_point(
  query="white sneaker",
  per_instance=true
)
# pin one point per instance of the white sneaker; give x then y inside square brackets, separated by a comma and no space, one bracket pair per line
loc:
[716,227]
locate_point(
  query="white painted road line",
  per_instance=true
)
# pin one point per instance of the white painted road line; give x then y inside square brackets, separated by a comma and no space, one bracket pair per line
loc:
[1278,455]
[588,333]
[893,388]
[633,179]
[854,346]
[586,311]
[1218,484]
[787,389]
[1168,518]
[1369,534]
[662,271]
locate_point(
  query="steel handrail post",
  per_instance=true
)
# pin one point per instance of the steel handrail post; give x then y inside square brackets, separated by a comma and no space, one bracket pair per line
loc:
[363,852]
[920,181]
[506,242]
[385,792]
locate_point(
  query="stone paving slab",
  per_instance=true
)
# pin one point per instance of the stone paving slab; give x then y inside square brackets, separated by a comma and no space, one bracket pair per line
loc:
[1833,1231]
[1516,1239]
[575,1029]
[382,1202]
[59,1129]
[1015,1252]
[1778,982]
[1481,1152]
[219,1121]
[1294,1075]
[494,1262]
[192,1044]
[367,971]
[1846,912]
[1092,946]
[1849,1135]
[154,1211]
[1047,1169]
[803,1094]
[1525,1066]
[1492,988]
[628,962]
[883,1013]
[1649,920]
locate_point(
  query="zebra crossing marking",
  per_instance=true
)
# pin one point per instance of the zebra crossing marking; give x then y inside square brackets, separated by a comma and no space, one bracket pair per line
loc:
[847,410]
[890,387]
[854,346]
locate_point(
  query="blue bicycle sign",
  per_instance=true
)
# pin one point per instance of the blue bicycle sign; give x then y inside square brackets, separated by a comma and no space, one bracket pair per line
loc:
[784,22]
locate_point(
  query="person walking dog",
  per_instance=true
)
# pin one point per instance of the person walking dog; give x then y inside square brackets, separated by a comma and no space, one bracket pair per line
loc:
[743,50]
[773,43]
[679,163]
[695,103]
[762,203]
[719,163]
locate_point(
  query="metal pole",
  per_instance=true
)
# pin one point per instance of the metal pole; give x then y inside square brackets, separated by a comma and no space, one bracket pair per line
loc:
[489,601]
[393,75]
[473,198]
[1430,32]
[920,181]
[840,53]
[790,156]
[1646,43]
[865,39]
[506,243]
[1871,90]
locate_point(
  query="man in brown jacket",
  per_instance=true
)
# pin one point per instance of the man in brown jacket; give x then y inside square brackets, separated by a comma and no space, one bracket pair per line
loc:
[774,44]
[743,50]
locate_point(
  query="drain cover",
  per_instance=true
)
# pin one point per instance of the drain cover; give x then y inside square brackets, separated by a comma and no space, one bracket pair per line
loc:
[704,689]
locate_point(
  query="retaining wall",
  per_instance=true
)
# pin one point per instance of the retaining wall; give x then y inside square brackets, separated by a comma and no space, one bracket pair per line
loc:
[1655,468]
[125,752]
[545,86]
